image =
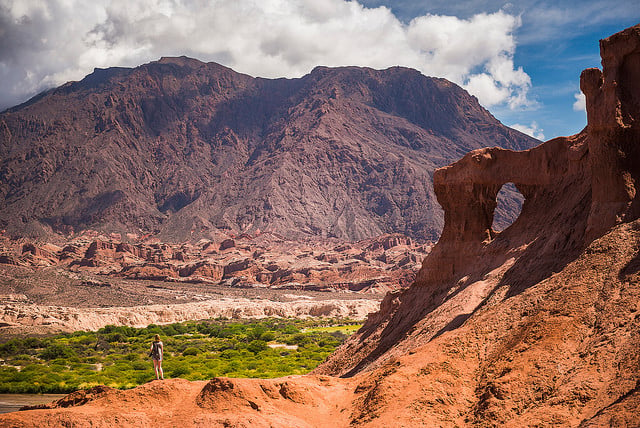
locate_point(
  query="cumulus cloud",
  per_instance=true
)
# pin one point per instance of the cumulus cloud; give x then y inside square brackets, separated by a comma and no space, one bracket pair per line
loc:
[581,102]
[532,130]
[45,43]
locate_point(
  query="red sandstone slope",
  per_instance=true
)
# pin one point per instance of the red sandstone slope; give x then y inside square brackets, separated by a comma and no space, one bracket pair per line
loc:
[182,148]
[575,189]
[535,326]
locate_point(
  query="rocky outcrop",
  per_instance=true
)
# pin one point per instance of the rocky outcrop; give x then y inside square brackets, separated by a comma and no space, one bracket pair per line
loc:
[375,265]
[184,150]
[613,113]
[566,206]
[288,402]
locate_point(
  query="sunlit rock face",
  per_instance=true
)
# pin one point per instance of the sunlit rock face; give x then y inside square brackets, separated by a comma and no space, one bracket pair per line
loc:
[575,188]
[613,113]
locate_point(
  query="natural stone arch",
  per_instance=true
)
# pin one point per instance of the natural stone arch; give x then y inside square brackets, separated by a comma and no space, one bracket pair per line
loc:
[467,191]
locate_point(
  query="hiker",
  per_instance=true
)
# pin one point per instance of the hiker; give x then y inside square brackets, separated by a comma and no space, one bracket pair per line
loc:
[156,354]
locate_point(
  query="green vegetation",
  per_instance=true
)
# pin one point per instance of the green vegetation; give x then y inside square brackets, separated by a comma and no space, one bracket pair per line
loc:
[118,356]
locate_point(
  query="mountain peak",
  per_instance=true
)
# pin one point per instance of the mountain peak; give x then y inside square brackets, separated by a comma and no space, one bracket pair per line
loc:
[184,148]
[180,60]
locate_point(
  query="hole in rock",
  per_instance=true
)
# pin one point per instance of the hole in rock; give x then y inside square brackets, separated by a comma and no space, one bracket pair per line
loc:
[509,206]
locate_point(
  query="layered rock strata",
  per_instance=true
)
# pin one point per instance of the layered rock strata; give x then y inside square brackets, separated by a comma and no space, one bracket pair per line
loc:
[19,318]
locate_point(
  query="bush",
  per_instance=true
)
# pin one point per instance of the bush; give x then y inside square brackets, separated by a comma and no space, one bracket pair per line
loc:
[9,348]
[267,336]
[229,354]
[190,351]
[22,359]
[299,339]
[256,332]
[115,337]
[33,342]
[180,371]
[212,348]
[140,365]
[257,346]
[56,351]
[169,330]
[141,378]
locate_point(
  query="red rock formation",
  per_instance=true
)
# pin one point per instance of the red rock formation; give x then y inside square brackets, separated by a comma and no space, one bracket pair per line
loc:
[575,188]
[613,112]
[256,263]
[203,269]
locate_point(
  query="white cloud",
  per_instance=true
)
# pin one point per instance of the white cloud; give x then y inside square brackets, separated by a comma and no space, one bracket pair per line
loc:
[487,89]
[581,102]
[476,53]
[532,130]
[47,43]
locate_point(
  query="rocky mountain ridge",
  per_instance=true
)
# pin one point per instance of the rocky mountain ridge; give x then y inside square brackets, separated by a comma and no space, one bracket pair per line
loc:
[183,150]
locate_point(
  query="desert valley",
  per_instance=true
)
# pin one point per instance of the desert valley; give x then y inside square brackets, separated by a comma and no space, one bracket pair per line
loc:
[497,277]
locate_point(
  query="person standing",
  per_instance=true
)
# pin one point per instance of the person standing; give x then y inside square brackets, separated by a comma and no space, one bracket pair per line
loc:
[156,354]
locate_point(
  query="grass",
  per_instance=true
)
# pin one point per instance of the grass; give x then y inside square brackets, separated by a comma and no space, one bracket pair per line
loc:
[118,356]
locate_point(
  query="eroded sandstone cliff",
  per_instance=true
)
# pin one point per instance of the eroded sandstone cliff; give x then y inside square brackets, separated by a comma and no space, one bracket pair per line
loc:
[576,189]
[545,286]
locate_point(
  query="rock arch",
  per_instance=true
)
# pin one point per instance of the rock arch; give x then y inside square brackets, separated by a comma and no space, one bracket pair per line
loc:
[467,191]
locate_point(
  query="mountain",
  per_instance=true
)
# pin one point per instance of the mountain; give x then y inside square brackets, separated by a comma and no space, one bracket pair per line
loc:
[181,149]
[535,326]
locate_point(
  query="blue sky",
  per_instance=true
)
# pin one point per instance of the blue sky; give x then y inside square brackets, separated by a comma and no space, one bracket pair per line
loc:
[521,59]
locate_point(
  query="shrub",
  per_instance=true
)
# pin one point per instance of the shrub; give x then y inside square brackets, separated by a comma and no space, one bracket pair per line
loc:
[131,357]
[9,348]
[267,336]
[212,348]
[56,351]
[180,371]
[33,342]
[257,346]
[256,332]
[22,359]
[140,365]
[141,378]
[115,337]
[190,351]
[169,330]
[299,339]
[229,354]
[291,329]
